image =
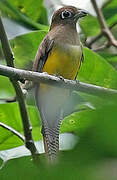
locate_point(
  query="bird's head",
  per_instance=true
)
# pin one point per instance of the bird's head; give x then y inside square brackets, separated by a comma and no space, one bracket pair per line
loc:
[67,15]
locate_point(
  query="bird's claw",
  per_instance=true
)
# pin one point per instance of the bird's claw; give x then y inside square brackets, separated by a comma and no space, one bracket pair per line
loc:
[22,80]
[60,77]
[77,81]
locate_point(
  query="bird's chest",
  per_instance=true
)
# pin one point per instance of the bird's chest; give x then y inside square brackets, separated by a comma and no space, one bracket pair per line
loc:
[64,61]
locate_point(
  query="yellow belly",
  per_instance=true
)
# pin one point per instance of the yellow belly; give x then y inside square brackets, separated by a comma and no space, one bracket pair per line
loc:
[65,64]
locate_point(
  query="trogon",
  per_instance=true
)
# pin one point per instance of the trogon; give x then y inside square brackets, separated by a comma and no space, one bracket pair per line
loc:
[59,54]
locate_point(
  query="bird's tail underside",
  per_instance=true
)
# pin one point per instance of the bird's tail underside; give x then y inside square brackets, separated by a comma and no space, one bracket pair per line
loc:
[51,139]
[51,143]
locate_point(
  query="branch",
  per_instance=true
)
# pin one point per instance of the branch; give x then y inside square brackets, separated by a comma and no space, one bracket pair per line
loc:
[105,30]
[22,106]
[12,131]
[92,40]
[56,81]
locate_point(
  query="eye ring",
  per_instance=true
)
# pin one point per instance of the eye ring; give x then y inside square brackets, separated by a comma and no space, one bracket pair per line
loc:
[66,14]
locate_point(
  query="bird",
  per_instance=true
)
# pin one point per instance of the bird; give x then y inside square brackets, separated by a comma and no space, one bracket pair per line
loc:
[60,54]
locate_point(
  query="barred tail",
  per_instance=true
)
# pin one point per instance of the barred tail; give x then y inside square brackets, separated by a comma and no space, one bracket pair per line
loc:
[51,142]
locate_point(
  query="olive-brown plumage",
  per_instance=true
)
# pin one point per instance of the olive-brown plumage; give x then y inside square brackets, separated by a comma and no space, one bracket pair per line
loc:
[60,53]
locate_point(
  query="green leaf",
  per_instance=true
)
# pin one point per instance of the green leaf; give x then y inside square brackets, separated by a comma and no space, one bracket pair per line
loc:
[9,115]
[109,57]
[25,12]
[25,48]
[6,88]
[87,23]
[96,70]
[112,20]
[43,19]
[30,8]
[77,122]
[110,10]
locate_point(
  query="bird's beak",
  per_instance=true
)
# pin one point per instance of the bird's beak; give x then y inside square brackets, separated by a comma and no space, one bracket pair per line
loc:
[81,13]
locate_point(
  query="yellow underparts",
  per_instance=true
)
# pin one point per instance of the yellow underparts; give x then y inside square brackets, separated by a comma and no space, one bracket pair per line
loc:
[63,62]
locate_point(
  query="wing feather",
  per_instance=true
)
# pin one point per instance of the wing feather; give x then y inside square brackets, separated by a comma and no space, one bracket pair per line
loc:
[42,54]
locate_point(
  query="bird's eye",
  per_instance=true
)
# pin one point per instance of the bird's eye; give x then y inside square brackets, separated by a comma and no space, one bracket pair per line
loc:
[66,14]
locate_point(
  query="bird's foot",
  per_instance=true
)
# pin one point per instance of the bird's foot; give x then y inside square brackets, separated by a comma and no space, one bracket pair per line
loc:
[22,80]
[77,81]
[60,77]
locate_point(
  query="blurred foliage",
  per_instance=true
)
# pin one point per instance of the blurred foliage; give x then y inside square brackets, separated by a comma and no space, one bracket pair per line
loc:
[96,70]
[9,114]
[110,10]
[94,157]
[87,22]
[6,88]
[26,44]
[95,154]
[27,13]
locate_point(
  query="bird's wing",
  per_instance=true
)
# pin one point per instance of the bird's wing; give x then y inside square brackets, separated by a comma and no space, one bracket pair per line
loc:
[42,54]
[50,136]
[81,60]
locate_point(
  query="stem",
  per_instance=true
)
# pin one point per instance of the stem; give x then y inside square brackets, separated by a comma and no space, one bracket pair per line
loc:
[12,131]
[19,94]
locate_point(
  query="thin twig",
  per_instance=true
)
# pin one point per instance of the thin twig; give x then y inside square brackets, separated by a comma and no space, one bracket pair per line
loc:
[19,94]
[12,130]
[55,81]
[92,40]
[8,100]
[103,25]
[105,45]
